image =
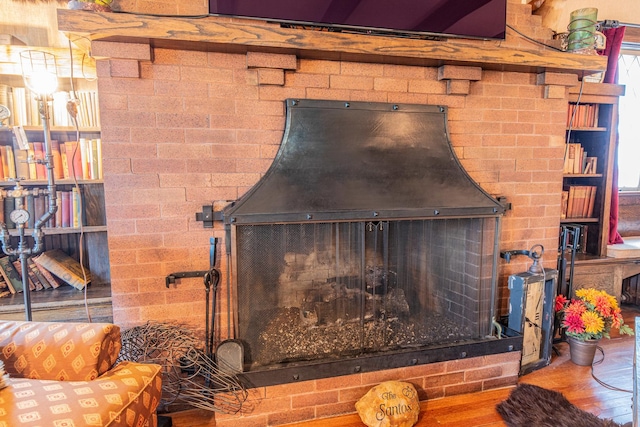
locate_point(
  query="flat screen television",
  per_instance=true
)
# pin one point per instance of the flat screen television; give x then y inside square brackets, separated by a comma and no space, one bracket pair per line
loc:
[479,19]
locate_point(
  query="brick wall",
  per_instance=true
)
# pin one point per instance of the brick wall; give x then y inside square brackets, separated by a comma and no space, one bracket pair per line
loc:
[197,127]
[183,129]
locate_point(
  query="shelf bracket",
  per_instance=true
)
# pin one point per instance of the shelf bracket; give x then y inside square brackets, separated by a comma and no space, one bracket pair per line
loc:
[207,216]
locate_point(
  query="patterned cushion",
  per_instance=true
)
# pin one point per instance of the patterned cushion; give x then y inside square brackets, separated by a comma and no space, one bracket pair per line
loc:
[125,396]
[58,351]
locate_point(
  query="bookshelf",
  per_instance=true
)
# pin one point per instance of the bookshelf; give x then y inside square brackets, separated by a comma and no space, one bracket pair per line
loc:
[79,227]
[592,117]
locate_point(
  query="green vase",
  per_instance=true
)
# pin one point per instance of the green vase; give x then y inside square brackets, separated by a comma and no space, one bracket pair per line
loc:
[582,28]
[582,351]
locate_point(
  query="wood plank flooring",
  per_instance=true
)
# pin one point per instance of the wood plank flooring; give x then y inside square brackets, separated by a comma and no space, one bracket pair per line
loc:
[478,409]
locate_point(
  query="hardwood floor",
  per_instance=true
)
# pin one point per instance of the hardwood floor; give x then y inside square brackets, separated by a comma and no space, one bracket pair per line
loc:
[478,409]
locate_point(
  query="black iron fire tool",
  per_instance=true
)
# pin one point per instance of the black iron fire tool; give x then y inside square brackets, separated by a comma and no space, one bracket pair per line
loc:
[211,280]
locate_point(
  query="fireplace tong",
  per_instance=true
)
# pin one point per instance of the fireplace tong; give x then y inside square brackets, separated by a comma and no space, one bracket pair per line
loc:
[229,354]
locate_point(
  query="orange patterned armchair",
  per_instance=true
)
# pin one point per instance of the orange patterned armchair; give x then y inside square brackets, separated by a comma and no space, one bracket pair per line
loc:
[62,374]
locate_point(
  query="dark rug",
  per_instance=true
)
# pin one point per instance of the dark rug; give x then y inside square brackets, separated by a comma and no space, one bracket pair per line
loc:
[532,406]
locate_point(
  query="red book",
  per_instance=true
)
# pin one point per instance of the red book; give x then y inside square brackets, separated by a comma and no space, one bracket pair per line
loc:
[38,154]
[58,172]
[74,159]
[64,208]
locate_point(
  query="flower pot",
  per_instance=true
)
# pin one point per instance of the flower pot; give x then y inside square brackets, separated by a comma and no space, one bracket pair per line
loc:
[582,351]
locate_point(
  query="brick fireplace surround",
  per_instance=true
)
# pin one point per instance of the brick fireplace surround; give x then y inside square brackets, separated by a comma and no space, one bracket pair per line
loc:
[185,127]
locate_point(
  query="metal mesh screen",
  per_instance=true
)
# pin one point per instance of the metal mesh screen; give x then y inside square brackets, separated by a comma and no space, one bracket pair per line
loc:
[329,290]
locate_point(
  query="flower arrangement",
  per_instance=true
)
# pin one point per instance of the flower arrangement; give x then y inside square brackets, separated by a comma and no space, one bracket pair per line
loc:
[95,5]
[590,315]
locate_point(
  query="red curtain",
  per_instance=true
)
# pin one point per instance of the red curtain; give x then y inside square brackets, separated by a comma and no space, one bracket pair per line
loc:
[612,51]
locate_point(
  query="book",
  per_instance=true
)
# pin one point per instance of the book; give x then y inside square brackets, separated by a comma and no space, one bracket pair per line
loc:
[37,274]
[577,161]
[74,159]
[570,202]
[32,285]
[10,275]
[39,207]
[94,166]
[580,201]
[64,267]
[580,194]
[9,204]
[76,208]
[98,145]
[65,162]
[65,218]
[31,162]
[564,204]
[11,163]
[58,173]
[591,165]
[84,155]
[570,156]
[582,115]
[39,156]
[5,165]
[58,216]
[22,163]
[50,278]
[1,168]
[592,201]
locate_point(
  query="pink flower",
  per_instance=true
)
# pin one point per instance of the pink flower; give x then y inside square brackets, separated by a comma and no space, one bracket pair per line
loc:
[574,323]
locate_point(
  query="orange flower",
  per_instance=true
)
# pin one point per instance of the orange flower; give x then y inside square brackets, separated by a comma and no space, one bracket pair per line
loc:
[560,302]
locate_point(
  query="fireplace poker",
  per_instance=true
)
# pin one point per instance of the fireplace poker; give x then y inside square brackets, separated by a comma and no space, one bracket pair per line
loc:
[211,280]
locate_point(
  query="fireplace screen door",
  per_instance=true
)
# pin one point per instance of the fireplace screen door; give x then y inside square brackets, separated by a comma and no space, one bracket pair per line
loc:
[314,291]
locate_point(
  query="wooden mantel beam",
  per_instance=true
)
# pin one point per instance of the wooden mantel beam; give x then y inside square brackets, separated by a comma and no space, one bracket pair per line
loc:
[239,35]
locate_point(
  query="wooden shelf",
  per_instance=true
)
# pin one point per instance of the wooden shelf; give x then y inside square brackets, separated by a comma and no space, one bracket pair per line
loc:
[41,182]
[52,129]
[578,220]
[582,175]
[62,230]
[64,304]
[588,129]
[240,35]
[598,89]
[63,296]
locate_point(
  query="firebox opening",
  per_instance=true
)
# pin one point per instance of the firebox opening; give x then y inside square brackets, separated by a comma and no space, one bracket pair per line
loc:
[308,292]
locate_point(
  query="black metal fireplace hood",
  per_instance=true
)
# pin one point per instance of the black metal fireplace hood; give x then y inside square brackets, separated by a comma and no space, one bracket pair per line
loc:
[358,161]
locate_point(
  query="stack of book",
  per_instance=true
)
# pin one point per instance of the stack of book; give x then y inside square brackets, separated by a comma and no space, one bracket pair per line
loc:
[68,214]
[576,160]
[73,159]
[582,115]
[578,201]
[25,111]
[48,270]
